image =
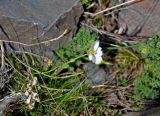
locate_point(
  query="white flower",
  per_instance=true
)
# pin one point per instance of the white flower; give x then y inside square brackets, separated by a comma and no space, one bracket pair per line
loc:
[96,53]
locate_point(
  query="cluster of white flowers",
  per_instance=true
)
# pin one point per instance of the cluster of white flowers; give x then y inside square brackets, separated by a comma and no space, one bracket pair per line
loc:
[32,97]
[95,54]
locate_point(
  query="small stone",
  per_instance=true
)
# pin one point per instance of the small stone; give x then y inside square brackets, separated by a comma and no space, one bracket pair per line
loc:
[95,74]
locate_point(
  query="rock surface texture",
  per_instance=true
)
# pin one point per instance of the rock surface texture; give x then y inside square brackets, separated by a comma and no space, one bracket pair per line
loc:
[32,21]
[155,111]
[96,75]
[141,18]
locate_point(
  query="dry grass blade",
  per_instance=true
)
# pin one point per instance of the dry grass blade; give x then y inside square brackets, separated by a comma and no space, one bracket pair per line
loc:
[112,8]
[2,55]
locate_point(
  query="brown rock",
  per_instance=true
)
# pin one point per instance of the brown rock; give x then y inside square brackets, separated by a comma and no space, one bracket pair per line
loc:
[141,18]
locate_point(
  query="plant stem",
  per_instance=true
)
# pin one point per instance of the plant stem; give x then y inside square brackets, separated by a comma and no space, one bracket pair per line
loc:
[73,60]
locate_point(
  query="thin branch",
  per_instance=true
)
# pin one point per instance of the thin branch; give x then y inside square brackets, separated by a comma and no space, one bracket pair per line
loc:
[102,32]
[122,39]
[43,42]
[112,8]
[2,55]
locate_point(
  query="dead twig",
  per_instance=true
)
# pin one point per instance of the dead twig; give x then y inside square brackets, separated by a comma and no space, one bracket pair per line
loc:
[39,43]
[122,39]
[2,55]
[112,8]
[102,32]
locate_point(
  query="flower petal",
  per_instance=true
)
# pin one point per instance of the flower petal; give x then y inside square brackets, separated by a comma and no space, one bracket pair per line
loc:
[98,60]
[90,57]
[96,45]
[93,59]
[99,51]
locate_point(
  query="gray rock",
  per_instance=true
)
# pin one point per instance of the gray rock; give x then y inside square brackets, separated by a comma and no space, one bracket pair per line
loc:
[95,74]
[31,21]
[7,100]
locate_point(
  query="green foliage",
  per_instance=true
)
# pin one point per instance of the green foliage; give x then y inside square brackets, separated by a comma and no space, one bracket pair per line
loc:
[148,84]
[78,46]
[127,64]
[55,94]
[151,49]
[98,22]
[86,2]
[61,91]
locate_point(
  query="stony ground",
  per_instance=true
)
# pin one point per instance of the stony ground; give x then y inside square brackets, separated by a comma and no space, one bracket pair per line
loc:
[49,58]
